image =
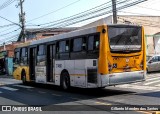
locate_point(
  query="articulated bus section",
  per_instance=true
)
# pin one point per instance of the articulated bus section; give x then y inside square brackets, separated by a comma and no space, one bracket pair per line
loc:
[95,57]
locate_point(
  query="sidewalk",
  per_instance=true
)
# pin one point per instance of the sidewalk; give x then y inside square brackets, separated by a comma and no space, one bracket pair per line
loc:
[6,76]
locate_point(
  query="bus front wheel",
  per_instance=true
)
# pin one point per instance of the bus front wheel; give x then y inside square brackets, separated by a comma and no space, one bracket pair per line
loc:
[65,80]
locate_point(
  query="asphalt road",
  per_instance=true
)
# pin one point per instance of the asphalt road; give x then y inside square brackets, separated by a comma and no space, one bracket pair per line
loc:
[12,92]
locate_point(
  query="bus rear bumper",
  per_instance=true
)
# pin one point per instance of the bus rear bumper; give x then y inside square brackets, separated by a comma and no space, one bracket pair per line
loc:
[126,77]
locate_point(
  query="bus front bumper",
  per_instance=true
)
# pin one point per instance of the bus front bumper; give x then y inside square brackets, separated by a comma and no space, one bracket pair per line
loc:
[126,77]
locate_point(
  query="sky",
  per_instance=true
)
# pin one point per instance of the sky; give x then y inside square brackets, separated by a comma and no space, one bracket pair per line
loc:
[38,12]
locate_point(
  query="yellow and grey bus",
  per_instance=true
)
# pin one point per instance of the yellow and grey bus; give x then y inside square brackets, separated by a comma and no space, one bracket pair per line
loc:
[94,57]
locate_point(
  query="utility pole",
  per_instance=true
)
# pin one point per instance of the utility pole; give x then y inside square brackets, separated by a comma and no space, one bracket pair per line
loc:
[22,19]
[114,11]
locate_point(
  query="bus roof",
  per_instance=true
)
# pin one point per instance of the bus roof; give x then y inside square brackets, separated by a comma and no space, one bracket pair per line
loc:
[66,35]
[23,44]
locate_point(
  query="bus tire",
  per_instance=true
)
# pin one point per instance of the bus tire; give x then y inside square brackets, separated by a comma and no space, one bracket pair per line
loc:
[23,77]
[65,81]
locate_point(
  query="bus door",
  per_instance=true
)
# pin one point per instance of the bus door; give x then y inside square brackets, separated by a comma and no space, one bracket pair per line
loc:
[32,62]
[50,63]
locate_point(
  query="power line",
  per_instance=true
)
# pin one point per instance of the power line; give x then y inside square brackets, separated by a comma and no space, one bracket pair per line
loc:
[6,29]
[147,8]
[9,21]
[91,14]
[7,3]
[101,7]
[135,13]
[10,37]
[54,11]
[81,18]
[9,32]
[3,26]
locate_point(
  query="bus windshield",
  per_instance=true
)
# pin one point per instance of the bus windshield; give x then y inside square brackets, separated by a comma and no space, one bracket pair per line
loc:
[124,38]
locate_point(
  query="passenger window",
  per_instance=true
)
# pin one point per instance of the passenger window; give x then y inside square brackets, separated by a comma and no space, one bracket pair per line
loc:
[41,50]
[90,43]
[62,46]
[77,44]
[24,52]
[17,57]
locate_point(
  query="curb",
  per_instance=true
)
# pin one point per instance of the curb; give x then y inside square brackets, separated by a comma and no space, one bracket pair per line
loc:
[6,76]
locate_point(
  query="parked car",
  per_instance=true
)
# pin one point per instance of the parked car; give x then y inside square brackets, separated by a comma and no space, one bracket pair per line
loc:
[153,63]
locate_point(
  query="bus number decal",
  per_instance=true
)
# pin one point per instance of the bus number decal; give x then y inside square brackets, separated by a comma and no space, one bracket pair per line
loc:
[58,65]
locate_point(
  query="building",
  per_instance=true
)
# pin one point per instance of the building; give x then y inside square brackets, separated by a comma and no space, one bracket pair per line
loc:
[150,23]
[7,51]
[6,59]
[38,33]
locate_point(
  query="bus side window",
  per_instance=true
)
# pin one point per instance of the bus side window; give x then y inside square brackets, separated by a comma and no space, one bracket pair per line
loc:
[41,50]
[24,55]
[41,55]
[77,44]
[62,46]
[90,43]
[63,50]
[16,57]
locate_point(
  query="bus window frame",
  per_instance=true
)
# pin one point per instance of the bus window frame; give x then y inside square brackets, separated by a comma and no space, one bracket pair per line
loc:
[17,60]
[22,57]
[43,55]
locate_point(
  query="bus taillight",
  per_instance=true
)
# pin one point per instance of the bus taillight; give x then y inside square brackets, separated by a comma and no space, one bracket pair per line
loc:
[109,67]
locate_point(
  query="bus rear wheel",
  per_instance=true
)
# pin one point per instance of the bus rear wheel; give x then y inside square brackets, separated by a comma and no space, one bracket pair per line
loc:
[65,81]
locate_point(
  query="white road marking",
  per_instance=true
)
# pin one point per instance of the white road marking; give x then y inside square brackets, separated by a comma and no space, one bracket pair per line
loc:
[158,85]
[152,82]
[9,88]
[102,103]
[23,86]
[152,76]
[139,87]
[155,78]
[137,82]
